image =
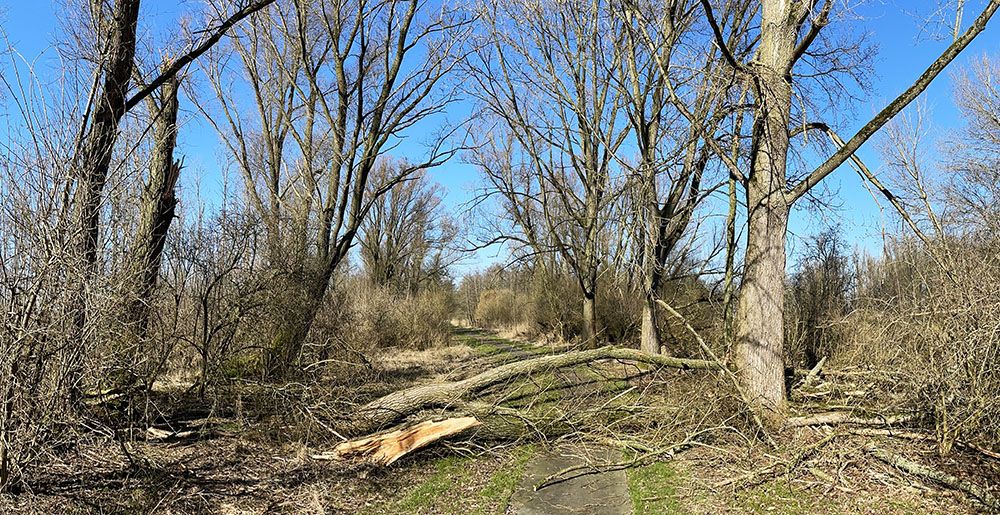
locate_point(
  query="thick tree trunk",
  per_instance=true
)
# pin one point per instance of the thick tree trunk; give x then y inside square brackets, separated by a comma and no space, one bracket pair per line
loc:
[649,336]
[294,325]
[759,314]
[760,311]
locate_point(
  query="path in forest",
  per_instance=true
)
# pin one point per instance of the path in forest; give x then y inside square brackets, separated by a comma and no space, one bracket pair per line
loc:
[604,493]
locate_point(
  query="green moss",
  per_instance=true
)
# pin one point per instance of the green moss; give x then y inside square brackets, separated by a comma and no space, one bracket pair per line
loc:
[653,489]
[777,497]
[240,366]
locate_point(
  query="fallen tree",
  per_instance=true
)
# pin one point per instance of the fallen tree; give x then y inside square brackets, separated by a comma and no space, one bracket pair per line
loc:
[382,413]
[384,449]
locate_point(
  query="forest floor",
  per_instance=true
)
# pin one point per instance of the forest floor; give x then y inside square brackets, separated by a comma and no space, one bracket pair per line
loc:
[251,454]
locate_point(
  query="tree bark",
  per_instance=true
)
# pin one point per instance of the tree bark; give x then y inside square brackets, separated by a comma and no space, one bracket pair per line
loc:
[158,204]
[649,336]
[94,157]
[759,314]
[589,320]
[760,311]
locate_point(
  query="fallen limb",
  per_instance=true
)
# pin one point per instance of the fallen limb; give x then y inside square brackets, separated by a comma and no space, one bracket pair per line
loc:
[382,413]
[781,467]
[386,448]
[909,435]
[814,373]
[847,418]
[925,472]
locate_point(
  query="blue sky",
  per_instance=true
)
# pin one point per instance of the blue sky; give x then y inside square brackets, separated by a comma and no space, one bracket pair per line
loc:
[897,29]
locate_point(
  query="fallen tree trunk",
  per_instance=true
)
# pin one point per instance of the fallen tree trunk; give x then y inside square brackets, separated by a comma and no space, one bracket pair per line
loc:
[983,495]
[394,407]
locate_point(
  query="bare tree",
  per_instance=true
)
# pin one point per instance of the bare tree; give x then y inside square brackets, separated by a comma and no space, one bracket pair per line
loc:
[334,85]
[788,32]
[544,77]
[673,102]
[406,238]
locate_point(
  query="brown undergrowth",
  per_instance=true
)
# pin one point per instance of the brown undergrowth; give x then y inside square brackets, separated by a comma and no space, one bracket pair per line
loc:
[248,448]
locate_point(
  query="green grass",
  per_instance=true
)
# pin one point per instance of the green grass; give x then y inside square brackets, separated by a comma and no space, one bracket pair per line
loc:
[653,489]
[447,489]
[501,486]
[449,472]
[777,497]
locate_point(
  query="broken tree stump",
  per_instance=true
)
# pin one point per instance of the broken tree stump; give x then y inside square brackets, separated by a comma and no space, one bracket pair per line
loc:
[384,449]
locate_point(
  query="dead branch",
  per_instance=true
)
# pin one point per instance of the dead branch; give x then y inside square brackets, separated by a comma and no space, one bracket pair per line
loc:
[928,473]
[814,373]
[781,467]
[909,435]
[848,418]
[665,453]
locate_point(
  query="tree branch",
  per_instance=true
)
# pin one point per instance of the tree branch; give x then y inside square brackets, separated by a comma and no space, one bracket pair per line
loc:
[178,64]
[896,105]
[720,40]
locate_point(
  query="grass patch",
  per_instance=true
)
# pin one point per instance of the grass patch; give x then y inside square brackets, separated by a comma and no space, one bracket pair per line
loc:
[653,489]
[501,486]
[777,497]
[449,472]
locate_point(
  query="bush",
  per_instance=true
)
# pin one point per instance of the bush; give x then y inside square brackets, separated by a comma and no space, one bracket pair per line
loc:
[501,308]
[932,336]
[361,317]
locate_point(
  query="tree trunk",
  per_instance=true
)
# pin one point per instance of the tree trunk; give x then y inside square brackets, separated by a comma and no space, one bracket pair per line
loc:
[649,338]
[760,311]
[589,320]
[94,157]
[759,314]
[382,413]
[294,326]
[91,162]
[158,204]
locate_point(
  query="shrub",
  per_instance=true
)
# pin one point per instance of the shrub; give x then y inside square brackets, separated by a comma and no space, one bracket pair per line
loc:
[931,336]
[501,308]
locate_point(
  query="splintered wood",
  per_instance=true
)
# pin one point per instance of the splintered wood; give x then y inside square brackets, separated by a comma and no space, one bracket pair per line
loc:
[386,448]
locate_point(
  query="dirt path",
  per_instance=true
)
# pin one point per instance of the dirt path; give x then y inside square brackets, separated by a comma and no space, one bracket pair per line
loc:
[595,494]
